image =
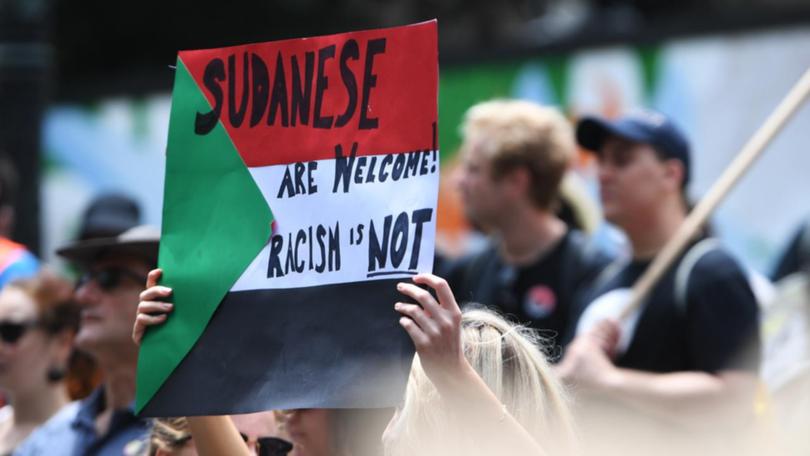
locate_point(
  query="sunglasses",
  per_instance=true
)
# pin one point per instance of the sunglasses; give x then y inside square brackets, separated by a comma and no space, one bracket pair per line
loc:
[11,331]
[270,446]
[109,278]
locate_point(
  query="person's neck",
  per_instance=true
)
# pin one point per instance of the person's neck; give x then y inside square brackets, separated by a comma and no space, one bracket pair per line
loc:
[34,407]
[649,235]
[119,381]
[527,234]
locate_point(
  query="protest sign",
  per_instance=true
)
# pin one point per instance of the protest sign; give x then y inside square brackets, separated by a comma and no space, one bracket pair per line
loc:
[301,185]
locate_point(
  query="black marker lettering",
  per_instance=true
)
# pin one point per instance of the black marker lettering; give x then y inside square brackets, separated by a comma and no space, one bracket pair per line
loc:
[237,116]
[278,98]
[261,89]
[350,51]
[373,48]
[321,84]
[302,92]
[213,75]
[418,218]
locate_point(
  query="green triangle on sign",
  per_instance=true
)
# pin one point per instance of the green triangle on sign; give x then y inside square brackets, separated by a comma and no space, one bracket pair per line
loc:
[215,222]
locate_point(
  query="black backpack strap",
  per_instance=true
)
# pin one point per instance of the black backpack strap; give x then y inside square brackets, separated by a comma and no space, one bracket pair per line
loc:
[685,267]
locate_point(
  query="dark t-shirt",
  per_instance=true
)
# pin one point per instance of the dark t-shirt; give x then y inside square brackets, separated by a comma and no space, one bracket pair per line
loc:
[541,294]
[796,255]
[715,326]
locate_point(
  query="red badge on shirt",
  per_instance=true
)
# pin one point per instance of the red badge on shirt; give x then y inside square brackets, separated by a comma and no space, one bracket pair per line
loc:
[539,301]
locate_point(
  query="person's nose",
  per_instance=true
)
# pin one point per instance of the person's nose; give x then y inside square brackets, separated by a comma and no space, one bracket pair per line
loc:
[605,172]
[87,293]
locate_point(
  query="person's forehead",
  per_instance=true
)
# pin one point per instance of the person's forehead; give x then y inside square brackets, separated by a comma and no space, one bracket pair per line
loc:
[475,152]
[619,142]
[618,145]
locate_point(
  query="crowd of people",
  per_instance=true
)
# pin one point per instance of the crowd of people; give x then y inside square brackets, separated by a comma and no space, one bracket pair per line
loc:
[505,360]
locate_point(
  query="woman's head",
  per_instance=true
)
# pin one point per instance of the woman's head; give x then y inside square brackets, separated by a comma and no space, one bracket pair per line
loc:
[38,319]
[510,361]
[172,436]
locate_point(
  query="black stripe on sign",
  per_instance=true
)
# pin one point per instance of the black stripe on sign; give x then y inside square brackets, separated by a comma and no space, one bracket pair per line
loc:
[336,346]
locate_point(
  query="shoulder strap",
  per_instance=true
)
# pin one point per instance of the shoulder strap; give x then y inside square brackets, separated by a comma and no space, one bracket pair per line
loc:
[804,246]
[693,255]
[610,271]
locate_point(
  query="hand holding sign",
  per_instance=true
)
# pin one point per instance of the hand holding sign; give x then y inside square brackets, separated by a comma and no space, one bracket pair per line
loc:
[151,310]
[434,327]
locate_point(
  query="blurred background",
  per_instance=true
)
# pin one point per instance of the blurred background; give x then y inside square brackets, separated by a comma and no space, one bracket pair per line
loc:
[85,90]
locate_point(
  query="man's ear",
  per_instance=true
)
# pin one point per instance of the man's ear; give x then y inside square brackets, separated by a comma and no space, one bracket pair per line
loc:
[674,173]
[64,346]
[518,180]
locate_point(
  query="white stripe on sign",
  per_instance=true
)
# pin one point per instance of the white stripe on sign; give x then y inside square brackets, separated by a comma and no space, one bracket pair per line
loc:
[346,220]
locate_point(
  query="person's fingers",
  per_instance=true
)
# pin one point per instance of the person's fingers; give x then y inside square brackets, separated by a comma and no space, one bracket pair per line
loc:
[614,325]
[442,288]
[420,340]
[607,326]
[142,321]
[137,334]
[154,307]
[612,331]
[606,335]
[155,293]
[153,277]
[150,320]
[418,315]
[421,296]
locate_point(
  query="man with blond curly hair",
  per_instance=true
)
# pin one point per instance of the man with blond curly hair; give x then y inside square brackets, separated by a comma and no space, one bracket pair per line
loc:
[514,156]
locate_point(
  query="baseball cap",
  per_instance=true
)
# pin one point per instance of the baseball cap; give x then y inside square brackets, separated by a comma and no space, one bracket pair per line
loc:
[141,241]
[642,126]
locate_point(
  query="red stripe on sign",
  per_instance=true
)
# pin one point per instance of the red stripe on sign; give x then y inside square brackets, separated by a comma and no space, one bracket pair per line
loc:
[297,100]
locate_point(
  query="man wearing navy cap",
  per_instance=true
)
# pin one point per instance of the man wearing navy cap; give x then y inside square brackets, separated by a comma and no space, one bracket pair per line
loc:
[691,360]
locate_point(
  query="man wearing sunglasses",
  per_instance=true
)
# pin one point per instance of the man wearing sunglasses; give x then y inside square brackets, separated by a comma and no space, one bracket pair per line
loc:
[113,275]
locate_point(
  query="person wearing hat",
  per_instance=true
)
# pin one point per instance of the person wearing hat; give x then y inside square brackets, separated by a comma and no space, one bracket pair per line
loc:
[114,273]
[515,154]
[691,360]
[109,215]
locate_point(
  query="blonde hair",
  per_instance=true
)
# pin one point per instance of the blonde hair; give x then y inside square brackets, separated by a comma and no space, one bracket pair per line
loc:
[509,359]
[169,435]
[520,134]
